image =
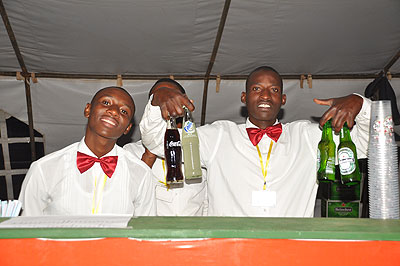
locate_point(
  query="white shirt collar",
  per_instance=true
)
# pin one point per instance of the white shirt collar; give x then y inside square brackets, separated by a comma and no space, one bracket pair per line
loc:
[249,124]
[82,147]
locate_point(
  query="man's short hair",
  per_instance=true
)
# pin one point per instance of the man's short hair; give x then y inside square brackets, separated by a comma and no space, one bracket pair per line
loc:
[264,68]
[167,80]
[112,87]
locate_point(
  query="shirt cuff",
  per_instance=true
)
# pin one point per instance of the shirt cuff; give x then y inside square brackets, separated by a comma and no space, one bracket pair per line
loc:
[154,111]
[365,112]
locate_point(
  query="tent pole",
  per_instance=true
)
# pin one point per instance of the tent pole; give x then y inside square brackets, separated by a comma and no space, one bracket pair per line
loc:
[13,40]
[192,77]
[391,62]
[30,118]
[26,75]
[212,59]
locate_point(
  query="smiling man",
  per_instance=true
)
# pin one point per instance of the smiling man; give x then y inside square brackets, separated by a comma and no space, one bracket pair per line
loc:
[262,167]
[93,176]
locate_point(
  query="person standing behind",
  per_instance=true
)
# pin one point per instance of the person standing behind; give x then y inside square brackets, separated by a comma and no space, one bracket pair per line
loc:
[93,176]
[262,167]
[189,200]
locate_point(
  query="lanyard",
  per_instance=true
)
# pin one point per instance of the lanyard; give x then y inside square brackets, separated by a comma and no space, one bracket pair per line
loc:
[95,206]
[165,175]
[264,170]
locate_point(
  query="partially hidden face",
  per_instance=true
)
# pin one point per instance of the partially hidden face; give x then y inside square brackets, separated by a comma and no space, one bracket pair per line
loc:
[110,113]
[263,98]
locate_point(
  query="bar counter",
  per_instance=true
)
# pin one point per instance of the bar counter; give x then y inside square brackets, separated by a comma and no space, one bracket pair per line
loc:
[209,241]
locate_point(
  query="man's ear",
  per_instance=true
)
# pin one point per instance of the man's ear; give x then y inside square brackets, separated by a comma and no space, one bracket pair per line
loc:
[283,99]
[86,112]
[128,128]
[243,97]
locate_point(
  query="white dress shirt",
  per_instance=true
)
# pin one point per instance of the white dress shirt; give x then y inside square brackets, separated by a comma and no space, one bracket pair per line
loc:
[234,174]
[190,200]
[54,185]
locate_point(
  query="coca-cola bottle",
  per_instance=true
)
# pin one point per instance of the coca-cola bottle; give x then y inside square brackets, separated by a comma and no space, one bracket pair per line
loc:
[173,154]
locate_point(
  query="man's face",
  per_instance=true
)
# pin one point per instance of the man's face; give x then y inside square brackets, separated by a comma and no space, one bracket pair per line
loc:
[263,98]
[110,113]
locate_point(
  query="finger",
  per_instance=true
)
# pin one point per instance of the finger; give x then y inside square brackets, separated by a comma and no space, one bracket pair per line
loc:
[350,123]
[338,121]
[328,102]
[188,103]
[178,105]
[329,114]
[174,108]
[164,112]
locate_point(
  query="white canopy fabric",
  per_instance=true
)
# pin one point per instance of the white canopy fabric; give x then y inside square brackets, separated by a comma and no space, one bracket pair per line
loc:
[176,37]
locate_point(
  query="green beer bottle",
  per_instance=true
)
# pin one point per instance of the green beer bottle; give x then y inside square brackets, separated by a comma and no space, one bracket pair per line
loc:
[326,155]
[347,155]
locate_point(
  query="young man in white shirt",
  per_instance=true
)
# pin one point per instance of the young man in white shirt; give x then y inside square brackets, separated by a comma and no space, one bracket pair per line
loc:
[260,168]
[189,200]
[93,176]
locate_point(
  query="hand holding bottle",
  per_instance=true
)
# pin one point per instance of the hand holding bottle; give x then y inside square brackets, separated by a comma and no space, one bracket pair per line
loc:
[171,101]
[342,109]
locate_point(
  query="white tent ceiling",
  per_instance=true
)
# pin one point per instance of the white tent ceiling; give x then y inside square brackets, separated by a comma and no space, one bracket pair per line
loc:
[348,42]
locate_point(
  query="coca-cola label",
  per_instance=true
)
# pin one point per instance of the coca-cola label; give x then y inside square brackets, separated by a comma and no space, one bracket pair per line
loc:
[188,127]
[174,144]
[347,162]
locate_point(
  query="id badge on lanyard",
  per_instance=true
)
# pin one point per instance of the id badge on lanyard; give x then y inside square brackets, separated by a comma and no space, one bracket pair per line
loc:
[263,198]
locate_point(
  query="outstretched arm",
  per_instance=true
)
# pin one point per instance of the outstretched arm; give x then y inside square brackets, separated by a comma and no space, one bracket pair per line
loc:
[343,109]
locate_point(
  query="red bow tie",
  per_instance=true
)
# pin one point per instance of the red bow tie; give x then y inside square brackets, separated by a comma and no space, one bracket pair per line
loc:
[85,162]
[256,134]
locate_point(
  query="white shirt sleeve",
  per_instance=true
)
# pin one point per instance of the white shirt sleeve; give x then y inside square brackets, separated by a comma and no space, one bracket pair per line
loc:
[360,132]
[33,193]
[152,127]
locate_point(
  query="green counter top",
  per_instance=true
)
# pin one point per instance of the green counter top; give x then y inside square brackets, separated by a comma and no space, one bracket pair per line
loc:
[226,227]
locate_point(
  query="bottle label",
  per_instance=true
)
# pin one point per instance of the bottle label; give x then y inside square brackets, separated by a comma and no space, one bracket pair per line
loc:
[343,209]
[347,163]
[189,127]
[174,144]
[330,166]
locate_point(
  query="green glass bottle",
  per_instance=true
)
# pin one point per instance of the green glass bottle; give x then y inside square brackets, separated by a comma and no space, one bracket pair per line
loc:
[191,152]
[347,156]
[326,155]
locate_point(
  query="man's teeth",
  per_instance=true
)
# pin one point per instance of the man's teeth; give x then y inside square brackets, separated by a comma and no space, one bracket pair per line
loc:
[264,105]
[109,121]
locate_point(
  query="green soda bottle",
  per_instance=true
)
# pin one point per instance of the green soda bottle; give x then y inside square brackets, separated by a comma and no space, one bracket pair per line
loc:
[191,152]
[326,155]
[347,155]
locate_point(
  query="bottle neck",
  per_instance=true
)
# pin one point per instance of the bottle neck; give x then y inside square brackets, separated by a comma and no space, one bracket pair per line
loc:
[327,131]
[345,133]
[329,134]
[171,123]
[188,114]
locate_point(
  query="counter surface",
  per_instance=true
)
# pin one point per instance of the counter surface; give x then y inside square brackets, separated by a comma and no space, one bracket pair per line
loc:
[225,227]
